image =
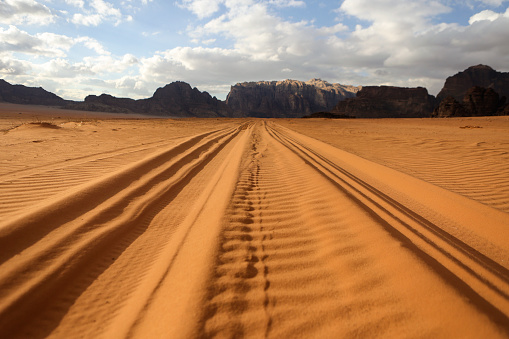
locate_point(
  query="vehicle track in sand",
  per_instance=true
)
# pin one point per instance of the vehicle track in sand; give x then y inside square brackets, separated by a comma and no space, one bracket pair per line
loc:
[52,254]
[254,231]
[23,188]
[306,253]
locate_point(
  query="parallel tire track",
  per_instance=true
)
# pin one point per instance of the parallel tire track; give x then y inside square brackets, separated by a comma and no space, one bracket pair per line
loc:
[21,189]
[300,257]
[481,278]
[59,238]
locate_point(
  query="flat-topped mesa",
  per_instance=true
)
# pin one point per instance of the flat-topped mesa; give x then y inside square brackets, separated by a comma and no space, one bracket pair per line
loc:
[459,84]
[387,102]
[286,98]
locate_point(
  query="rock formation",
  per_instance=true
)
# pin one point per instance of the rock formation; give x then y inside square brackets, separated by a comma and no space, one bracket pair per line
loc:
[478,101]
[480,75]
[286,99]
[449,107]
[387,102]
[177,99]
[19,94]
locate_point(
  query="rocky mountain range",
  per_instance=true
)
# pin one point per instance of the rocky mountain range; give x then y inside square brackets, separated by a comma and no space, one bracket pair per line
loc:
[387,101]
[177,99]
[19,94]
[287,98]
[479,90]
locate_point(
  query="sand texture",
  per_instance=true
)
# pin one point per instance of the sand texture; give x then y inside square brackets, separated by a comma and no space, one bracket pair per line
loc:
[231,228]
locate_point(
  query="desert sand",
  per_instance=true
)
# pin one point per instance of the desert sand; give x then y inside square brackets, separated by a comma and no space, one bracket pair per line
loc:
[116,226]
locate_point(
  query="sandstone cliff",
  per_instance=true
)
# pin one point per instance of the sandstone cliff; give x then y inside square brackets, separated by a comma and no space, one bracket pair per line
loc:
[286,99]
[177,99]
[478,101]
[387,102]
[19,94]
[480,75]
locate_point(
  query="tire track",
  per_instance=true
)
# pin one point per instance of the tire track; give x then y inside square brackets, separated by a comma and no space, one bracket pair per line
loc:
[299,257]
[68,235]
[20,190]
[484,280]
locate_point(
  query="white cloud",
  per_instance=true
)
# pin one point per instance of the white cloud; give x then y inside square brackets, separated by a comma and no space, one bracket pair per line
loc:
[260,34]
[206,8]
[287,3]
[201,8]
[96,12]
[44,44]
[10,66]
[25,12]
[61,68]
[93,45]
[106,64]
[87,20]
[76,3]
[41,44]
[487,15]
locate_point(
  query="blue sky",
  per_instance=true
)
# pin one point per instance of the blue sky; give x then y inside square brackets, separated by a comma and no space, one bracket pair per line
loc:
[129,48]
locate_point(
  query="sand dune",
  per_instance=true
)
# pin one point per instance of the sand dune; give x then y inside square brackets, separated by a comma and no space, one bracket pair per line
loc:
[253,228]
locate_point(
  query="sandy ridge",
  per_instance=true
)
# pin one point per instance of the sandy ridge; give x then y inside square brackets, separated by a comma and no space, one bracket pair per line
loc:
[476,273]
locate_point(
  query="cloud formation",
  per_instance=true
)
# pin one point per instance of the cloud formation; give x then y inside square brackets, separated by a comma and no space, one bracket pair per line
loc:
[396,42]
[25,12]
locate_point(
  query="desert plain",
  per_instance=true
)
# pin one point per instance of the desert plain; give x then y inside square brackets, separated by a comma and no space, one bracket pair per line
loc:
[115,226]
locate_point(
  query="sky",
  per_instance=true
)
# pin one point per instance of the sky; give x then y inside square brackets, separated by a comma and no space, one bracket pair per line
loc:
[129,48]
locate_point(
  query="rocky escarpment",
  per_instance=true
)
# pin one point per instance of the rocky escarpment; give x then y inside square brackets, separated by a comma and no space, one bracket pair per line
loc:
[286,99]
[478,101]
[459,84]
[177,99]
[20,94]
[387,102]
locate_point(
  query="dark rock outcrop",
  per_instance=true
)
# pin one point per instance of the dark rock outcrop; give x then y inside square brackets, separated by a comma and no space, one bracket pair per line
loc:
[387,102]
[459,84]
[478,101]
[20,94]
[177,99]
[286,99]
[449,107]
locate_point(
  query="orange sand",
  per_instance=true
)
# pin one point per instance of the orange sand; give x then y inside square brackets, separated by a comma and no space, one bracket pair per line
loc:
[164,228]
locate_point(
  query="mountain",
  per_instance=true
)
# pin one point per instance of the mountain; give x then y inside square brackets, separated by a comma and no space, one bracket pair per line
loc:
[459,84]
[387,102]
[20,94]
[477,91]
[177,99]
[478,101]
[286,99]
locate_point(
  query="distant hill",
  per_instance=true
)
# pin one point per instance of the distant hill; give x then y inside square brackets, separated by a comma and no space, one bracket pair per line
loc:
[20,94]
[287,98]
[177,99]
